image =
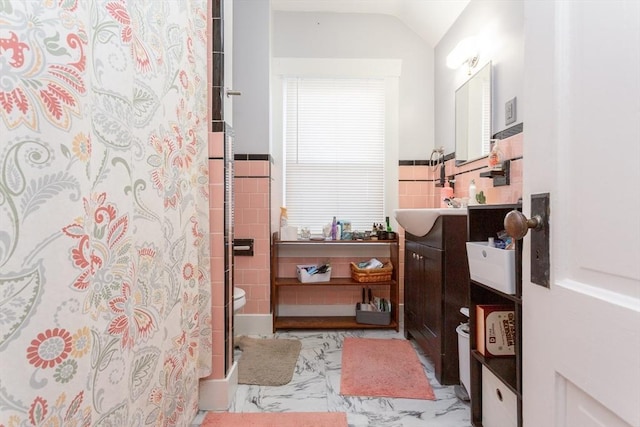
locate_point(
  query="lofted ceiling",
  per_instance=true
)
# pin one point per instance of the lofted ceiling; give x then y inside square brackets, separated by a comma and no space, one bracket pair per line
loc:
[428,18]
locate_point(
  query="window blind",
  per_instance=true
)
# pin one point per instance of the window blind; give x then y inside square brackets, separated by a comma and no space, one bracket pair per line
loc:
[334,151]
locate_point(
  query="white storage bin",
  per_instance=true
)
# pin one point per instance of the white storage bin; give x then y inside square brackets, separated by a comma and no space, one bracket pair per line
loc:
[305,277]
[499,403]
[464,357]
[493,267]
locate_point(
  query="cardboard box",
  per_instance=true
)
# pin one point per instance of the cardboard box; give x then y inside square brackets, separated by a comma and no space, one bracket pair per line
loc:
[495,330]
[305,277]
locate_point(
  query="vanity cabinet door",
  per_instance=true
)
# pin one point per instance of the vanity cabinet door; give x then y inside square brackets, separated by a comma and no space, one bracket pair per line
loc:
[413,289]
[432,303]
[423,299]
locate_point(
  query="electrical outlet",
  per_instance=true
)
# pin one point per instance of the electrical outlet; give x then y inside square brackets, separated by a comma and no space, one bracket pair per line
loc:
[510,111]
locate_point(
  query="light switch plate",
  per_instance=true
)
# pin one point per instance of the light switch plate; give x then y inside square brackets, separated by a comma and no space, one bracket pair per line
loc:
[510,111]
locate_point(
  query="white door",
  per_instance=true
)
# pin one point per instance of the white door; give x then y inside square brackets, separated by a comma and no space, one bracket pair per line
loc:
[581,105]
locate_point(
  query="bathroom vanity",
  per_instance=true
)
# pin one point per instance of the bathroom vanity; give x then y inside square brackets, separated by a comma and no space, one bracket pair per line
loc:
[436,286]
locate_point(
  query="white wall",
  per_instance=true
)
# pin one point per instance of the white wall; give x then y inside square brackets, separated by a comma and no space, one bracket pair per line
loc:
[500,25]
[339,35]
[251,64]
[427,86]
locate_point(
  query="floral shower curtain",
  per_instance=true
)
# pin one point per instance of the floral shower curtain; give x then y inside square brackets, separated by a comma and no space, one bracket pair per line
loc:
[104,277]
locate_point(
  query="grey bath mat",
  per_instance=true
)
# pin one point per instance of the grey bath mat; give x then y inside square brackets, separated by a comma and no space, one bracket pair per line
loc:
[265,361]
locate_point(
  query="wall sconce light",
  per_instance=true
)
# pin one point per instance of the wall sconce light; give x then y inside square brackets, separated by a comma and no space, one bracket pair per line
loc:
[466,52]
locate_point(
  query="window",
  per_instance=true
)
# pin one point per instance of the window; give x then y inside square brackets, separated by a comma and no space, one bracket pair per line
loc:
[334,151]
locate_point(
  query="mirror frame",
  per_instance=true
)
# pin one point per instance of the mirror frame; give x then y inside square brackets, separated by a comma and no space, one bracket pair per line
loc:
[464,121]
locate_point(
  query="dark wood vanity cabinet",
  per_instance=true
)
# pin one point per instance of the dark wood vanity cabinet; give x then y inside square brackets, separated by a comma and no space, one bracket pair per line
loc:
[436,286]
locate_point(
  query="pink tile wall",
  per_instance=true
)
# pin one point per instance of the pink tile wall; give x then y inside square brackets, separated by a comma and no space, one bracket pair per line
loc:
[511,149]
[415,187]
[216,241]
[252,197]
[415,190]
[216,236]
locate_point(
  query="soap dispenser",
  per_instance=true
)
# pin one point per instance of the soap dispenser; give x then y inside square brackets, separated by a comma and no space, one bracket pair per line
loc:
[446,193]
[495,156]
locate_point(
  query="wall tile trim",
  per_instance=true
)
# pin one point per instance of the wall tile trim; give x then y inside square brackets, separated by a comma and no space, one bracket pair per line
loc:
[255,157]
[513,130]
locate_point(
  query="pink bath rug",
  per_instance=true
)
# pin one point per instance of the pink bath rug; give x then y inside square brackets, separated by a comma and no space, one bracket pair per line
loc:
[383,368]
[275,419]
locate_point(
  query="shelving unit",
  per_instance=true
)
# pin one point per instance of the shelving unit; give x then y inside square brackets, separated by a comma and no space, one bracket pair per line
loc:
[485,221]
[330,322]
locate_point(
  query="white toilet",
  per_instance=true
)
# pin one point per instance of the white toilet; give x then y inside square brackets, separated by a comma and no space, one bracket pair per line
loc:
[239,299]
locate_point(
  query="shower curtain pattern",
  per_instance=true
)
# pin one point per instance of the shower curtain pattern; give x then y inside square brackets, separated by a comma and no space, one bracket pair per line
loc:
[104,265]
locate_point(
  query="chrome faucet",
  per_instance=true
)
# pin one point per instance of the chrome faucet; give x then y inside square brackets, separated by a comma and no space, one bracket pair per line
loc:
[453,203]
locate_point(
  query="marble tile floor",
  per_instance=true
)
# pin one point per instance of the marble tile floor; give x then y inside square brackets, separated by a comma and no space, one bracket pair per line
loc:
[315,387]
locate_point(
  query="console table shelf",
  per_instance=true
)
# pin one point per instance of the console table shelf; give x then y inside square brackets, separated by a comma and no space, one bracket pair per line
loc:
[336,281]
[303,247]
[328,322]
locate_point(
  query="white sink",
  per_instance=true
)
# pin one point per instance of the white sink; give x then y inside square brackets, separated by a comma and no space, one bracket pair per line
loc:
[420,221]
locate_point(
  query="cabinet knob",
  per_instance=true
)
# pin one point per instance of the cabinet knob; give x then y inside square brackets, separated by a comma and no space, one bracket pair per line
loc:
[517,225]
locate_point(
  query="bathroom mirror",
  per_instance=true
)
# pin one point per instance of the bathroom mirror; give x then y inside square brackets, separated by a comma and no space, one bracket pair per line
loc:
[473,117]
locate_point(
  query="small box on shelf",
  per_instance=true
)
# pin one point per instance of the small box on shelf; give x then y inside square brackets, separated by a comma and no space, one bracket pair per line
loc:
[306,274]
[495,330]
[371,275]
[288,233]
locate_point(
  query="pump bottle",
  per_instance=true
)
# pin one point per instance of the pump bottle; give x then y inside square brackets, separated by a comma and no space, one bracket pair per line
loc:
[472,193]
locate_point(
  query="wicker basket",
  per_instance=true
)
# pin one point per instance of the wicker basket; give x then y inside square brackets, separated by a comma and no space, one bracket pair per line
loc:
[372,275]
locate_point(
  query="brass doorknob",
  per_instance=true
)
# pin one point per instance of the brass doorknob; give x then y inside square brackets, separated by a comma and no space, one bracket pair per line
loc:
[517,224]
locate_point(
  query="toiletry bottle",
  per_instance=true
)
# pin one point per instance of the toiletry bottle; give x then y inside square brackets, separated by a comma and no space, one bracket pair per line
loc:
[284,221]
[472,192]
[334,229]
[495,156]
[388,225]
